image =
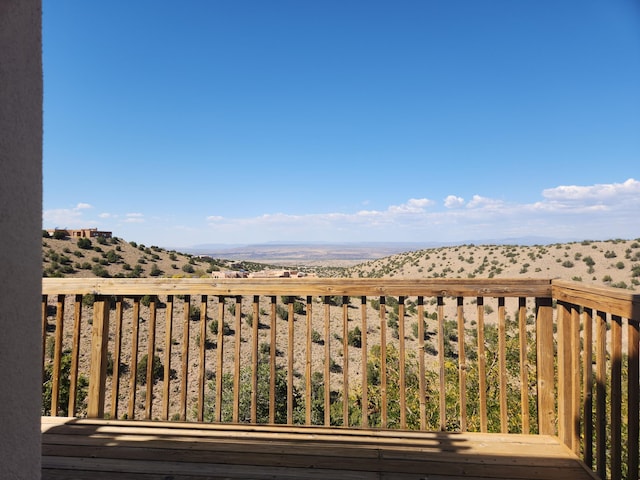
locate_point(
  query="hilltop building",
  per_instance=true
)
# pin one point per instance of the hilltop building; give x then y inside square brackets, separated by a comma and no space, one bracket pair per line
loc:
[81,233]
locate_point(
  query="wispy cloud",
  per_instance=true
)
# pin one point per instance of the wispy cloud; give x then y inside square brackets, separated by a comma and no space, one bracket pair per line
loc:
[579,211]
[66,217]
[564,211]
[134,218]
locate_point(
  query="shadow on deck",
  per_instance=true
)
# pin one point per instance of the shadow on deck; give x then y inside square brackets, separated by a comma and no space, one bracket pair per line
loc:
[101,449]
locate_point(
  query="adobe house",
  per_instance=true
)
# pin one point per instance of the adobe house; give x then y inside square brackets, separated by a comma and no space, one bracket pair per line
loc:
[20,243]
[81,233]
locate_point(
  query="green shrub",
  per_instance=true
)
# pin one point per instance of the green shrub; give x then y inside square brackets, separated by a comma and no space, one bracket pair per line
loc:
[84,243]
[188,268]
[100,271]
[213,327]
[316,337]
[64,387]
[141,370]
[355,337]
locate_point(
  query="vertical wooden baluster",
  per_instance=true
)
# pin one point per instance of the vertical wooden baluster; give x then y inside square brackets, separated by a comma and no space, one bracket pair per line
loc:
[565,393]
[168,331]
[75,355]
[502,365]
[290,357]
[272,362]
[307,369]
[616,397]
[601,394]
[442,393]
[633,340]
[462,365]
[401,363]
[185,357]
[587,369]
[202,363]
[98,369]
[45,324]
[545,355]
[345,363]
[117,354]
[383,362]
[524,365]
[57,356]
[482,370]
[575,379]
[254,358]
[365,380]
[135,338]
[421,366]
[151,352]
[220,359]
[236,357]
[327,361]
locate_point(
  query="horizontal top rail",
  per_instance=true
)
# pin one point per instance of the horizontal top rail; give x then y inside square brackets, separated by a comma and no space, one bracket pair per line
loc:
[613,300]
[525,287]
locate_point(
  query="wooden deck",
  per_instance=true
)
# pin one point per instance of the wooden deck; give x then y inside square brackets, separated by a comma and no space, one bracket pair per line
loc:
[102,449]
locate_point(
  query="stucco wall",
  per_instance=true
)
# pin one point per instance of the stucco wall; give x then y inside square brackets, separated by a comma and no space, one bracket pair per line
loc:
[20,237]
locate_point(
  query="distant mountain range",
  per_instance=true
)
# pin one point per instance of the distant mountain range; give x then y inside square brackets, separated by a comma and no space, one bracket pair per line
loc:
[345,253]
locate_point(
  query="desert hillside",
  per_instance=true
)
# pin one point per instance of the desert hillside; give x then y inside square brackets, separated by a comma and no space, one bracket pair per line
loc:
[115,257]
[613,263]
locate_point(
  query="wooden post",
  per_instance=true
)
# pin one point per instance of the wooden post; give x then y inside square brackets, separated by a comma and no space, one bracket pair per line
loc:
[545,358]
[442,410]
[365,384]
[524,367]
[75,355]
[565,386]
[98,369]
[633,337]
[57,356]
[254,358]
[345,362]
[115,378]
[185,356]
[167,357]
[482,370]
[462,364]
[421,376]
[616,397]
[307,366]
[601,393]
[151,353]
[502,365]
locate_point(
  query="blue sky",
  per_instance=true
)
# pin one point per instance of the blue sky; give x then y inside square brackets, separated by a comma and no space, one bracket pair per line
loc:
[180,123]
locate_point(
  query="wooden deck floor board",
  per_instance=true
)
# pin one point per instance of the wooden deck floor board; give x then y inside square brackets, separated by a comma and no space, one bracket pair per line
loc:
[161,450]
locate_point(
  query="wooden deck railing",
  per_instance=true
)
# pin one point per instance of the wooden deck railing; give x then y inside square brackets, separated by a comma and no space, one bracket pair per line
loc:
[511,356]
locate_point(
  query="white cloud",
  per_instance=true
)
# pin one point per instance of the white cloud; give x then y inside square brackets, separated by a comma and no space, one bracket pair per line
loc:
[134,218]
[484,202]
[596,211]
[413,206]
[605,192]
[65,217]
[484,217]
[453,202]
